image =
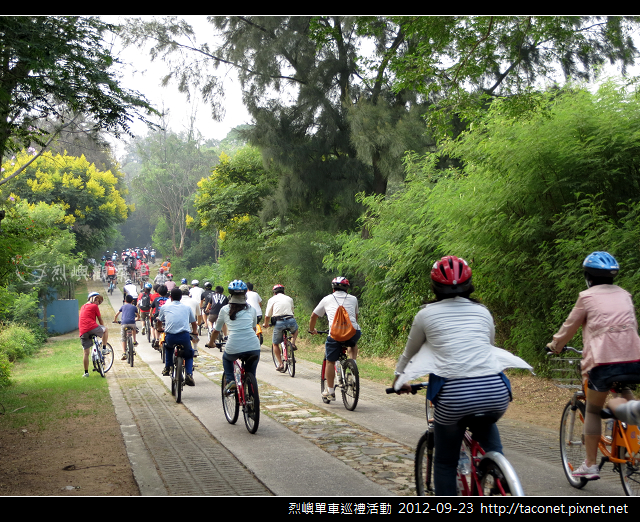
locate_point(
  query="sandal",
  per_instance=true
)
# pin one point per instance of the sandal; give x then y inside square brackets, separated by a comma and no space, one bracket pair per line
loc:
[280,368]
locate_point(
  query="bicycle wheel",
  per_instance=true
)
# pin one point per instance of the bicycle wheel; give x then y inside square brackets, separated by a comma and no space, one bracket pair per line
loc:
[351,387]
[291,360]
[572,449]
[147,327]
[130,350]
[323,381]
[107,356]
[497,476]
[629,474]
[275,359]
[251,409]
[178,365]
[424,465]
[229,403]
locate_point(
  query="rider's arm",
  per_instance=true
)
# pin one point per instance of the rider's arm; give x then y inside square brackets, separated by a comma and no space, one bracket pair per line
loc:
[416,339]
[570,327]
[626,411]
[312,323]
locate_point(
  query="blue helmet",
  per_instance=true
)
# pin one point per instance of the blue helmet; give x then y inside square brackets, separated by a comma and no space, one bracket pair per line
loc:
[601,264]
[183,281]
[237,286]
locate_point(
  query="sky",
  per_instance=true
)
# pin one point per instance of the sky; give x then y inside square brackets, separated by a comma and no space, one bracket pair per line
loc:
[141,74]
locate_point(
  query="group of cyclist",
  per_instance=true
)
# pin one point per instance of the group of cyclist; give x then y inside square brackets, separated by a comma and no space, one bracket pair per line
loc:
[451,339]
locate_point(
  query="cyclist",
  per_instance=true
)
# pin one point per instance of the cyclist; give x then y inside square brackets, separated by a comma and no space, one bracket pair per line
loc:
[611,345]
[144,305]
[129,317]
[170,283]
[156,305]
[89,314]
[333,349]
[452,340]
[214,303]
[130,288]
[111,272]
[280,312]
[208,290]
[241,322]
[195,306]
[254,299]
[177,319]
[160,279]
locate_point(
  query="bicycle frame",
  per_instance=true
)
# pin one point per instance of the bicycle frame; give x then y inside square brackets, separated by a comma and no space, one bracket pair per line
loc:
[238,373]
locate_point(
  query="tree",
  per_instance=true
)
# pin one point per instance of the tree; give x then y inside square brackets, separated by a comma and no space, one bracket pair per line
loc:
[56,68]
[462,62]
[170,167]
[91,199]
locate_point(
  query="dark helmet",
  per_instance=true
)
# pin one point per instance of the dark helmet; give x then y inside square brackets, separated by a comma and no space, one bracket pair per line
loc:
[451,276]
[601,264]
[208,285]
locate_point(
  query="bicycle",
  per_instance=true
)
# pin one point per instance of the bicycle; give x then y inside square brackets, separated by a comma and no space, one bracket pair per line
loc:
[286,353]
[101,356]
[621,447]
[129,348]
[347,378]
[178,372]
[484,474]
[146,322]
[245,395]
[112,285]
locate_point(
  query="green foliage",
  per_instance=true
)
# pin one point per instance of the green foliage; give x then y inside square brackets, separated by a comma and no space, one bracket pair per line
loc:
[5,370]
[53,65]
[535,197]
[17,342]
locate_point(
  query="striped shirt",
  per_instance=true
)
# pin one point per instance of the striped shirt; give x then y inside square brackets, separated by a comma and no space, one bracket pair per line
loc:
[461,397]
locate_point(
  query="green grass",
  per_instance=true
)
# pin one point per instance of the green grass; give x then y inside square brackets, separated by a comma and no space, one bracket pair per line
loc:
[48,388]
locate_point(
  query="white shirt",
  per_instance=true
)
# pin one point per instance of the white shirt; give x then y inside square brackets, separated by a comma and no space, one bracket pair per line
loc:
[330,303]
[131,290]
[192,303]
[453,338]
[196,293]
[255,300]
[279,305]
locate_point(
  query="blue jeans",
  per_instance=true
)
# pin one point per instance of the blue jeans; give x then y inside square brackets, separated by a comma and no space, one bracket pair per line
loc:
[227,363]
[281,326]
[448,440]
[184,339]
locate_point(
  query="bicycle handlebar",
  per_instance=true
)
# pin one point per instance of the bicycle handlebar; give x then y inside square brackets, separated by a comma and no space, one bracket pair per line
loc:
[414,388]
[319,332]
[565,349]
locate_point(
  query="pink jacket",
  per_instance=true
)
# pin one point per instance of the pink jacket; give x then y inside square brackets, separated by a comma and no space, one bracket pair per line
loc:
[609,327]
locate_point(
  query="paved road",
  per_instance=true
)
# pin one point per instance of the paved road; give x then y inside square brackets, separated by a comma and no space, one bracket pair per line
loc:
[303,447]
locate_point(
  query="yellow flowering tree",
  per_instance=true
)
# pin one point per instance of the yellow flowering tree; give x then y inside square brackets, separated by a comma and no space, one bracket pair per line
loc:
[91,198]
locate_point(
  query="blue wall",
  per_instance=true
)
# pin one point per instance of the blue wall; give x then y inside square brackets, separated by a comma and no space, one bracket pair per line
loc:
[62,316]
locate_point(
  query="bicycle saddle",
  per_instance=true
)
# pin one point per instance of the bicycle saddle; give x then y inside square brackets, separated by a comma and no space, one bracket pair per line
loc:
[479,419]
[619,381]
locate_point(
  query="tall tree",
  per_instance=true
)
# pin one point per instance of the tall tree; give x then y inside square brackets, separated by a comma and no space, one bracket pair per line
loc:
[58,67]
[171,165]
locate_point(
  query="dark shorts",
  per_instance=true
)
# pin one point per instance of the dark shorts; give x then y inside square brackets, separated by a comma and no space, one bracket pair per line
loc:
[333,348]
[87,338]
[599,375]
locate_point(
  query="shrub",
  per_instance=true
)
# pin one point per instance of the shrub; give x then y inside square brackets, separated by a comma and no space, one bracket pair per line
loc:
[17,342]
[5,370]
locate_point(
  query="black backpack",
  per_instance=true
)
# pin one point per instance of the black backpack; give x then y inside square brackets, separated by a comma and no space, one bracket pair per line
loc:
[144,301]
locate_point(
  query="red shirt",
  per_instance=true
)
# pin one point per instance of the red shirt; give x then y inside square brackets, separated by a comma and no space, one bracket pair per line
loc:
[88,315]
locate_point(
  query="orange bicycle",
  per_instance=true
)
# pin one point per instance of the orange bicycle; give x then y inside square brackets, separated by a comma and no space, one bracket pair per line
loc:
[619,445]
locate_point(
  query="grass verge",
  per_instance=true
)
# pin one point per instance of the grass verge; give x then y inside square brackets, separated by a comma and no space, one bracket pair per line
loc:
[48,388]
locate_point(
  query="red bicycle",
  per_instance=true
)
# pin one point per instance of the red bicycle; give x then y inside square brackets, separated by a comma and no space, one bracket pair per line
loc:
[479,473]
[245,394]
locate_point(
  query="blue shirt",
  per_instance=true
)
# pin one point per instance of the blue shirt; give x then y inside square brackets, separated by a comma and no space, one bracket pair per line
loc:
[177,317]
[242,336]
[129,313]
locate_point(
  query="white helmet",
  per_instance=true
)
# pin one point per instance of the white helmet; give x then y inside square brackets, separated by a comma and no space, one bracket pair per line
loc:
[195,282]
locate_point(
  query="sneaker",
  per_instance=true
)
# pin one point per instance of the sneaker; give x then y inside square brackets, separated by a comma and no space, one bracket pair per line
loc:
[329,395]
[86,374]
[195,353]
[124,357]
[587,472]
[230,388]
[135,343]
[188,380]
[166,372]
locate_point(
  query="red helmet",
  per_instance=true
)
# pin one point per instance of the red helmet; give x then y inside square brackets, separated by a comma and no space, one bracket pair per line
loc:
[340,283]
[278,289]
[451,275]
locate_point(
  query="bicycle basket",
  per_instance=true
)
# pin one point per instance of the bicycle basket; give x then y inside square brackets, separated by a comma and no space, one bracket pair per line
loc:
[565,372]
